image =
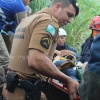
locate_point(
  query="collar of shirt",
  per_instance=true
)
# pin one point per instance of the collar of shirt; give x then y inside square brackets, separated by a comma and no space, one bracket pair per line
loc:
[47,10]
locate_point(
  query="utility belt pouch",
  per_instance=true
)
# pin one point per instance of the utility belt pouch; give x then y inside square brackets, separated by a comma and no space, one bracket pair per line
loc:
[12,81]
[35,92]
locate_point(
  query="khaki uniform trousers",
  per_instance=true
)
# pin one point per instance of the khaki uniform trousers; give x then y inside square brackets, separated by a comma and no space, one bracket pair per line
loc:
[18,94]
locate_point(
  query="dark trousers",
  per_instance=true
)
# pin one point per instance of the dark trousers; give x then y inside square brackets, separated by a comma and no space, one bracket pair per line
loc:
[90,89]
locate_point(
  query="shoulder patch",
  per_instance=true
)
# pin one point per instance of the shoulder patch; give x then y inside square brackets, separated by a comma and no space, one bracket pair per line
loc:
[45,42]
[51,29]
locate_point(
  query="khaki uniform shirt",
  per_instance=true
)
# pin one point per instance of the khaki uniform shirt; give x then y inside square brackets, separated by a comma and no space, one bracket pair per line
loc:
[38,31]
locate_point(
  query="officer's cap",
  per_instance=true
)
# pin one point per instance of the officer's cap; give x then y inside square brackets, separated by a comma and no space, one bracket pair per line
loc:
[75,4]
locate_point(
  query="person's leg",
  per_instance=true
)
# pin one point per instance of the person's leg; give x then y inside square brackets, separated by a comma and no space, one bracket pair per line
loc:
[4,59]
[18,94]
[4,55]
[43,96]
[70,72]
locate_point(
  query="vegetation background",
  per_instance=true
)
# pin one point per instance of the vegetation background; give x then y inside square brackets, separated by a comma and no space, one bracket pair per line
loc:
[78,30]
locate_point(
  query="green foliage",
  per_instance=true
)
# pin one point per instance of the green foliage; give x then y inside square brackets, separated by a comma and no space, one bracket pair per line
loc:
[37,5]
[78,30]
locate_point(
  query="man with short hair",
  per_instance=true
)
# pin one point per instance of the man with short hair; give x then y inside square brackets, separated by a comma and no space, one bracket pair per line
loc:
[32,51]
[90,88]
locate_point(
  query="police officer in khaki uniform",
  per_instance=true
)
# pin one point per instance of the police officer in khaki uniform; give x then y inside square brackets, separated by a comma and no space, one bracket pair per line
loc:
[33,47]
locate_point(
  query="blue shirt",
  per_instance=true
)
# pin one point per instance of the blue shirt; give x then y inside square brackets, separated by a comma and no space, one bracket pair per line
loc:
[94,62]
[8,10]
[67,47]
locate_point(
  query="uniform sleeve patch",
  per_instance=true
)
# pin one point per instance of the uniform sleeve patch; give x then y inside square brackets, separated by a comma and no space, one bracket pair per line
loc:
[51,29]
[45,42]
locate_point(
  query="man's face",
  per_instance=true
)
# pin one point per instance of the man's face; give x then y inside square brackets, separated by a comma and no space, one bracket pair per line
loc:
[65,15]
[62,40]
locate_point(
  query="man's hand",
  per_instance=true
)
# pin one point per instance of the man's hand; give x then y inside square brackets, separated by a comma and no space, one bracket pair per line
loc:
[67,52]
[58,53]
[64,53]
[72,86]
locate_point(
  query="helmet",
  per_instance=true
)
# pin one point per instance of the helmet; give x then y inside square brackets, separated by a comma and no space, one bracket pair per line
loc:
[62,32]
[95,23]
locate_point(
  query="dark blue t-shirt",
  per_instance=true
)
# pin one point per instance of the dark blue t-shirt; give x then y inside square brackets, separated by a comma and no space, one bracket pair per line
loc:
[8,10]
[85,51]
[94,62]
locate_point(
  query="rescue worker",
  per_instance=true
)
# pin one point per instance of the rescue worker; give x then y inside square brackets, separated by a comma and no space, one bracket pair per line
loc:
[85,49]
[11,13]
[86,46]
[32,51]
[90,89]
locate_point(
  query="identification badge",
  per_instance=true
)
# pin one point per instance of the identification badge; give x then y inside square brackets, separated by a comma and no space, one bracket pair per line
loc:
[45,42]
[51,29]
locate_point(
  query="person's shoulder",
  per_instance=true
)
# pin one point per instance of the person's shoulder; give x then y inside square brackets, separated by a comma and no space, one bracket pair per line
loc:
[12,6]
[45,15]
[18,6]
[89,40]
[45,19]
[71,48]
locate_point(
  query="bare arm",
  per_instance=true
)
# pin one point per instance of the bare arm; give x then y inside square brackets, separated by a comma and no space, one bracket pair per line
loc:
[42,64]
